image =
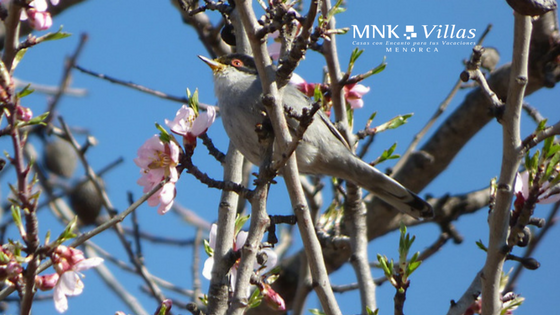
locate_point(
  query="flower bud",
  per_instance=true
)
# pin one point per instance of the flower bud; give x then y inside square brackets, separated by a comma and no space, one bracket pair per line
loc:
[273,299]
[39,20]
[46,282]
[24,113]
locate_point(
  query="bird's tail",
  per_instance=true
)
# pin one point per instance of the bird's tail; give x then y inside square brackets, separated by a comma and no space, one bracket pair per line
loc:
[388,189]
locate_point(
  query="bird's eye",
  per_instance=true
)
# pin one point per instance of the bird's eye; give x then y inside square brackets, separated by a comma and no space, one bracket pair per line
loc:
[237,63]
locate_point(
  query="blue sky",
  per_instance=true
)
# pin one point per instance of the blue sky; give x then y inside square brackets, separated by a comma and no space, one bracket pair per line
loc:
[147,43]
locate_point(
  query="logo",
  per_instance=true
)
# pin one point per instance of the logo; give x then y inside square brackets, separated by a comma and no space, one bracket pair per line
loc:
[410,32]
[428,38]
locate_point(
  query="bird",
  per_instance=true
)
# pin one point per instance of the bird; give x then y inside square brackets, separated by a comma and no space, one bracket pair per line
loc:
[321,151]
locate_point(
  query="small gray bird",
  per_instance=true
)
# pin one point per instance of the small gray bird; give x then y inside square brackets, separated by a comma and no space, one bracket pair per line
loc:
[321,151]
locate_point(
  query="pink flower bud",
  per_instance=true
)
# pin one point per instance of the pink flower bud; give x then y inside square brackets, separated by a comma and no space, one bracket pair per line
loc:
[46,282]
[39,20]
[13,269]
[272,298]
[24,113]
[167,304]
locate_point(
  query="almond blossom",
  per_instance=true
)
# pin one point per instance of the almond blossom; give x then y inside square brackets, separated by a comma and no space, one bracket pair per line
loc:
[272,298]
[158,160]
[275,47]
[189,125]
[68,263]
[238,242]
[353,93]
[522,187]
[36,13]
[302,85]
[24,113]
[39,20]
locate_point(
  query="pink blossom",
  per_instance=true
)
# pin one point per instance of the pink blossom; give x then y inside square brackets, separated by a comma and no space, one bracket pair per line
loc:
[10,268]
[522,187]
[165,306]
[353,94]
[68,263]
[274,48]
[302,85]
[188,125]
[39,20]
[272,298]
[24,113]
[46,282]
[157,161]
[238,242]
[37,14]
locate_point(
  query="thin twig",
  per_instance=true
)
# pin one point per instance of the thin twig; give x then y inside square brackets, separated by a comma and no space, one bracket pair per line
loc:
[66,78]
[138,87]
[121,291]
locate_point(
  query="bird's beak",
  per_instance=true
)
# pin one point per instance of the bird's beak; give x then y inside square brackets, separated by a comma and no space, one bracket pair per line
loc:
[216,66]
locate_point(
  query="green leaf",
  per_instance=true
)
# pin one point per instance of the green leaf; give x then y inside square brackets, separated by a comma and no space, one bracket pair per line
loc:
[5,74]
[209,250]
[356,53]
[399,121]
[315,311]
[16,215]
[388,154]
[25,91]
[551,167]
[240,222]
[48,237]
[377,69]
[370,312]
[412,267]
[527,161]
[393,123]
[339,31]
[163,309]
[542,125]
[334,10]
[164,136]
[4,259]
[68,231]
[534,162]
[53,36]
[255,299]
[350,115]
[19,55]
[317,94]
[37,120]
[204,299]
[481,245]
[321,20]
[547,145]
[414,257]
[193,101]
[552,150]
[385,265]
